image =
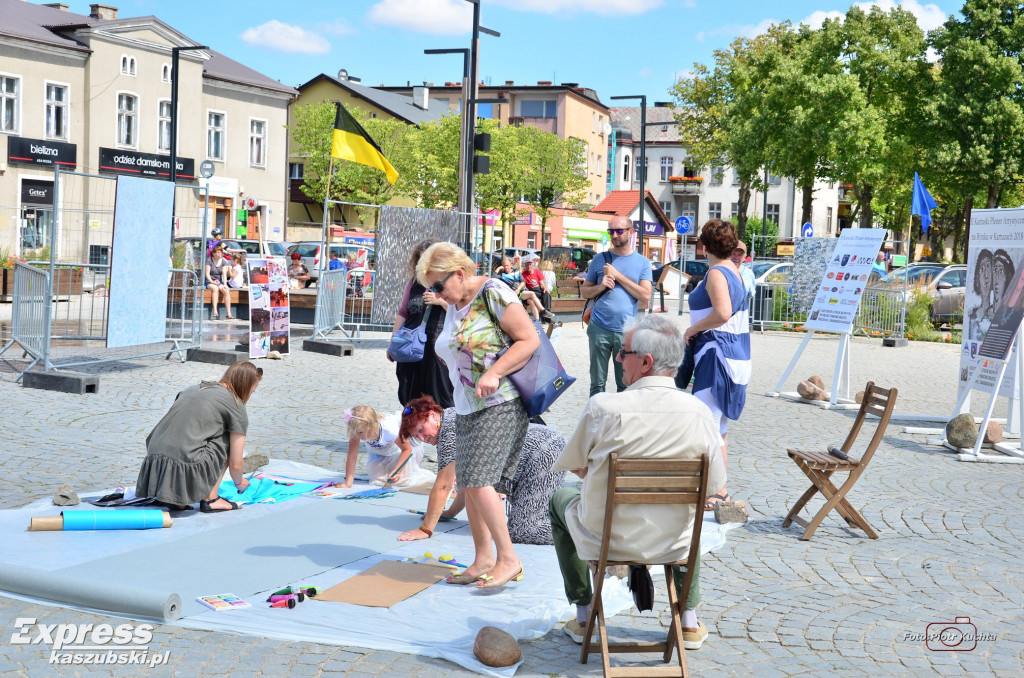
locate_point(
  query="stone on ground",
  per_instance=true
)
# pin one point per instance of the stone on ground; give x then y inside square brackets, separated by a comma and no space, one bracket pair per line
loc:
[961,431]
[495,647]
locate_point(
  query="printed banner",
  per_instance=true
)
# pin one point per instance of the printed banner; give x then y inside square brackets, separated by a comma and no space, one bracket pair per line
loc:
[269,311]
[994,299]
[846,275]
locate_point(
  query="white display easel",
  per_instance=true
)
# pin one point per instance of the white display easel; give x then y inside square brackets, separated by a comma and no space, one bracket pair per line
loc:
[840,376]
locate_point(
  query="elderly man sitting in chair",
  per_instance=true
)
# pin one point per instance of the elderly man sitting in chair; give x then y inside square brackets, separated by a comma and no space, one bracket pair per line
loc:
[651,419]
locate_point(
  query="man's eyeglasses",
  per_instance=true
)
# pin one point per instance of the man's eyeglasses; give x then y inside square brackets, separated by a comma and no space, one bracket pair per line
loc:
[621,355]
[618,231]
[438,287]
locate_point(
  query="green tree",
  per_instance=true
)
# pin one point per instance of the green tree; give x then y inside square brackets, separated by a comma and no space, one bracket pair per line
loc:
[507,182]
[978,113]
[555,173]
[435,177]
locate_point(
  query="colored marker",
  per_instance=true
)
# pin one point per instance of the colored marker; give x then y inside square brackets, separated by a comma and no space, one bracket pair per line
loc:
[289,603]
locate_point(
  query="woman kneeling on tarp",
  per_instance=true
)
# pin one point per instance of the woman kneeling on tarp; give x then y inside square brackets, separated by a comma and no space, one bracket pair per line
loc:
[527,494]
[200,437]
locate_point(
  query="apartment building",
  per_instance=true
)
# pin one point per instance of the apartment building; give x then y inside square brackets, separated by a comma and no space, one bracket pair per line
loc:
[92,93]
[567,110]
[681,188]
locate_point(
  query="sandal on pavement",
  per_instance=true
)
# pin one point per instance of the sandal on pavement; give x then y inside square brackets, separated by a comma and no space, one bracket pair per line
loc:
[204,506]
[709,505]
[489,582]
[230,317]
[214,316]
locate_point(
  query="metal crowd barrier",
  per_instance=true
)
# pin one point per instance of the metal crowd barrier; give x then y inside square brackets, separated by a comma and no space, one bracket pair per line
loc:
[60,323]
[330,303]
[772,307]
[882,313]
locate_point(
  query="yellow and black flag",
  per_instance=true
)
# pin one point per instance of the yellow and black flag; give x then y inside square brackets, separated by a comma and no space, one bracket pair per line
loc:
[351,142]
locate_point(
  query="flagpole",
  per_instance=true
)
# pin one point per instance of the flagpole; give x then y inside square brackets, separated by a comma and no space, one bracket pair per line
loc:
[323,236]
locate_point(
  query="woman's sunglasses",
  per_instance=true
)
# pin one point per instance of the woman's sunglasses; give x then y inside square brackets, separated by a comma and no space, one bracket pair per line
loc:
[438,287]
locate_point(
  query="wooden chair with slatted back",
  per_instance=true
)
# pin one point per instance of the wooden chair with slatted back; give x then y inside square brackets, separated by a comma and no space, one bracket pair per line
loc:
[650,481]
[819,465]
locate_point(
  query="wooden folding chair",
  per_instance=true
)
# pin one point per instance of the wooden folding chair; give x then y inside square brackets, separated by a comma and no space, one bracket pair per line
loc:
[649,481]
[820,465]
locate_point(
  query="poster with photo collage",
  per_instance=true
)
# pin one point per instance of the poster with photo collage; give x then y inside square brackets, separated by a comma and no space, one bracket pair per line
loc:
[993,299]
[269,318]
[846,275]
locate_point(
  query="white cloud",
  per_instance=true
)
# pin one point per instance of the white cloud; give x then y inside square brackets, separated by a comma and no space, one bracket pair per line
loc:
[816,19]
[738,30]
[284,37]
[437,17]
[644,72]
[604,7]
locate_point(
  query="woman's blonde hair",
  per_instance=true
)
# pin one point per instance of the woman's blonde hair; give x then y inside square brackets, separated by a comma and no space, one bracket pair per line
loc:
[363,420]
[241,379]
[443,257]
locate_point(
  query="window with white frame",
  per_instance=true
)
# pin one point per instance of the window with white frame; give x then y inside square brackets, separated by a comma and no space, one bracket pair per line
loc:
[667,208]
[774,180]
[734,210]
[127,123]
[531,240]
[773,212]
[56,111]
[163,126]
[625,168]
[828,220]
[593,122]
[666,167]
[636,175]
[717,173]
[715,210]
[10,89]
[296,170]
[735,177]
[215,124]
[165,73]
[258,143]
[538,108]
[599,167]
[127,65]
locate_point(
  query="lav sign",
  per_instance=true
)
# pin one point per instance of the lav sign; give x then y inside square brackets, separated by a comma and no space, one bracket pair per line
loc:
[683,224]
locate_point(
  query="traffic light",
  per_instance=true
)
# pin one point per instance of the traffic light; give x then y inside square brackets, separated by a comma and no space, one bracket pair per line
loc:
[481,144]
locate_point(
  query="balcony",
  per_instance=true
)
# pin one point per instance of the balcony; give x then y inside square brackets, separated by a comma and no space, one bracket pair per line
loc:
[543,124]
[686,185]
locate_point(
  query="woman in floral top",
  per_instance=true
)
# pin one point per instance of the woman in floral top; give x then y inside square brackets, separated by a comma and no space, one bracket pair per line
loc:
[483,317]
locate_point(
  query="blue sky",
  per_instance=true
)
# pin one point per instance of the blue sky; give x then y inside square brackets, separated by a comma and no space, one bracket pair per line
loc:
[617,47]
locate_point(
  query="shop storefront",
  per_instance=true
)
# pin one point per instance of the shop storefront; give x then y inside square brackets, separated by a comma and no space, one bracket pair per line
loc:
[36,214]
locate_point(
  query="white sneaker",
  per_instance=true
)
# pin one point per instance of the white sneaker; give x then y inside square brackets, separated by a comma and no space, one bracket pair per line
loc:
[576,631]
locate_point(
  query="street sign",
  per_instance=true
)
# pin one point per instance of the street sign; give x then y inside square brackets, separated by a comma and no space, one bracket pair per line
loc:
[251,204]
[206,169]
[808,230]
[683,224]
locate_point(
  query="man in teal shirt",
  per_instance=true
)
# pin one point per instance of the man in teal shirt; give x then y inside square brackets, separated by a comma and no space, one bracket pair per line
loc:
[619,281]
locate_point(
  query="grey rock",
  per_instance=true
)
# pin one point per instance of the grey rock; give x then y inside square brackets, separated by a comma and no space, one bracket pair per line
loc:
[494,647]
[961,431]
[66,496]
[994,432]
[254,461]
[731,512]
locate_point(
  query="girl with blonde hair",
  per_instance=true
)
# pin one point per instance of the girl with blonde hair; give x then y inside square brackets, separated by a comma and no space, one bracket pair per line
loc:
[393,459]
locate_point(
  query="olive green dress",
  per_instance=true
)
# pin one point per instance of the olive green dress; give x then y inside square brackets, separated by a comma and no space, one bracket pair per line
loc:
[188,449]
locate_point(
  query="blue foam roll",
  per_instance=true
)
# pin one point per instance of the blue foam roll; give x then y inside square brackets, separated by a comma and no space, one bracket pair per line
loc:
[138,519]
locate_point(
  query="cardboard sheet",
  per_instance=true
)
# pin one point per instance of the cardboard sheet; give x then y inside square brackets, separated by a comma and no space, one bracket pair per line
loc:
[422,488]
[387,583]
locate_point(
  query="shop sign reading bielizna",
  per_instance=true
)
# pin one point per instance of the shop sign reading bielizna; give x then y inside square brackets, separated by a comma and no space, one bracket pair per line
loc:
[144,164]
[40,152]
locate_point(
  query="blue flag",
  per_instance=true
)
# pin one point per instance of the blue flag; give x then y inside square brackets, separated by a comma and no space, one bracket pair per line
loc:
[923,203]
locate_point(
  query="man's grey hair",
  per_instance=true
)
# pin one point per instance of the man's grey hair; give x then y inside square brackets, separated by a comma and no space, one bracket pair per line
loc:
[657,335]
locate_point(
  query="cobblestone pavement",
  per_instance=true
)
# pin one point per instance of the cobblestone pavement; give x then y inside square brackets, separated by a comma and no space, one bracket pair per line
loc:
[950,541]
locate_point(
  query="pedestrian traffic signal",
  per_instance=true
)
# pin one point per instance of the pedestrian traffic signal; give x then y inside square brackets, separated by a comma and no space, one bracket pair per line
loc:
[481,144]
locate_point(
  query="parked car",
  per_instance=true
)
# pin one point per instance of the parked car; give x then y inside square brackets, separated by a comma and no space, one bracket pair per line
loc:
[576,258]
[516,254]
[270,248]
[310,253]
[769,276]
[696,269]
[230,246]
[946,285]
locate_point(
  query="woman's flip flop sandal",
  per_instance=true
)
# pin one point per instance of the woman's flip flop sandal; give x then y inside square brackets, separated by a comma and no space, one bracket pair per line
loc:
[709,505]
[204,506]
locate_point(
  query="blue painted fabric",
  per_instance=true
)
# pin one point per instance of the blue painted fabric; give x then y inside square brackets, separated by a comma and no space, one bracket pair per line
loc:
[723,354]
[266,487]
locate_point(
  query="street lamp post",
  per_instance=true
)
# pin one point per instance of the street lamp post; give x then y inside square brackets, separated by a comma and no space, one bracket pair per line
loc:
[173,174]
[643,164]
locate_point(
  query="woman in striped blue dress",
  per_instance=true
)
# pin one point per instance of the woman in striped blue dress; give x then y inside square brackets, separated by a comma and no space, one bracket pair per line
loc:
[719,334]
